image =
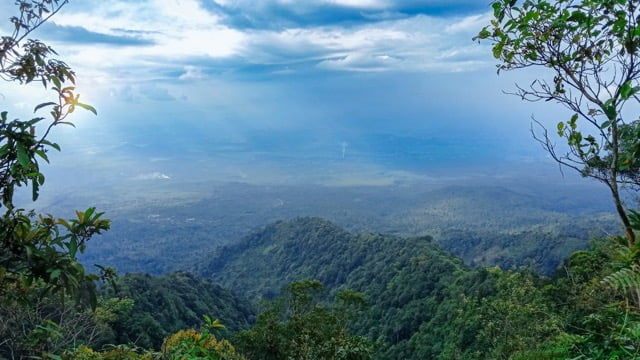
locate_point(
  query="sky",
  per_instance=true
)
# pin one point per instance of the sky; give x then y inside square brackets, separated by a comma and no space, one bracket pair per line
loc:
[283,90]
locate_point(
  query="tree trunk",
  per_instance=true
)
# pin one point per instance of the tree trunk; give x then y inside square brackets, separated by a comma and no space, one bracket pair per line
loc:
[613,183]
[628,230]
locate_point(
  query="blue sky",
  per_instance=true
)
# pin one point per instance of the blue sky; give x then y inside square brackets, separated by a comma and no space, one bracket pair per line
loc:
[229,82]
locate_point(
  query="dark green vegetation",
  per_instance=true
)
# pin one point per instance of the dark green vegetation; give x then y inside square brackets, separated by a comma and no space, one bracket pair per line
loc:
[423,303]
[298,326]
[163,305]
[414,288]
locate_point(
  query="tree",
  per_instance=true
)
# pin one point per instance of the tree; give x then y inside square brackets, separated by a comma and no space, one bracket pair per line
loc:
[38,253]
[296,326]
[590,50]
[52,326]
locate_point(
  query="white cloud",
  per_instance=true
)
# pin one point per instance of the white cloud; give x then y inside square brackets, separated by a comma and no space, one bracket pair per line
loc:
[361,62]
[153,176]
[177,29]
[192,73]
[182,30]
[367,4]
[297,4]
[419,43]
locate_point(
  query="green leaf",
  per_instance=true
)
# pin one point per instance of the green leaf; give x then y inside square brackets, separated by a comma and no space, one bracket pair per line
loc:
[4,150]
[55,81]
[497,50]
[40,106]
[88,107]
[66,123]
[573,122]
[89,212]
[497,9]
[72,245]
[53,145]
[64,223]
[32,122]
[23,157]
[610,110]
[55,274]
[627,91]
[484,33]
[42,154]
[35,190]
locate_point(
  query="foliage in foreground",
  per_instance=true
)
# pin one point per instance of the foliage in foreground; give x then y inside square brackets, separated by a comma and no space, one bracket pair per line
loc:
[298,326]
[162,305]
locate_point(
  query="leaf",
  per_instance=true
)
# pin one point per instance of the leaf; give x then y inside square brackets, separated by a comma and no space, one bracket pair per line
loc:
[72,245]
[64,223]
[23,157]
[66,123]
[80,216]
[55,81]
[497,50]
[43,155]
[55,274]
[573,122]
[627,91]
[484,33]
[53,145]
[497,9]
[88,107]
[610,110]
[89,211]
[40,106]
[35,189]
[4,150]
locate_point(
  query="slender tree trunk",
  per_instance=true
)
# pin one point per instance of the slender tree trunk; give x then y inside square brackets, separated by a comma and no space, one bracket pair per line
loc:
[613,184]
[631,236]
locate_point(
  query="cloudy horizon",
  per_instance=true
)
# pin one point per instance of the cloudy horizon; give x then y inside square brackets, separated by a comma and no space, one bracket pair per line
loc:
[284,82]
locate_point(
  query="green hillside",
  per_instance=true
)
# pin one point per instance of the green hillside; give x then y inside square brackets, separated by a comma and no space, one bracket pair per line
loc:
[179,300]
[414,288]
[424,303]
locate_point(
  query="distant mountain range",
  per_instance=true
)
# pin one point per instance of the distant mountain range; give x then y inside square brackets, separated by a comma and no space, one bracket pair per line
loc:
[171,229]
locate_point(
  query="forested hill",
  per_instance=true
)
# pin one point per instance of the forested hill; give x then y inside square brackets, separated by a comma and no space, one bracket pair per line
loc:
[166,304]
[260,264]
[415,290]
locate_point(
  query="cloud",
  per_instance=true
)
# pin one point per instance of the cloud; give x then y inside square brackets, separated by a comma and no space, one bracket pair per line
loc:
[175,30]
[280,14]
[360,62]
[156,93]
[124,41]
[419,43]
[192,73]
[80,35]
[193,39]
[153,176]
